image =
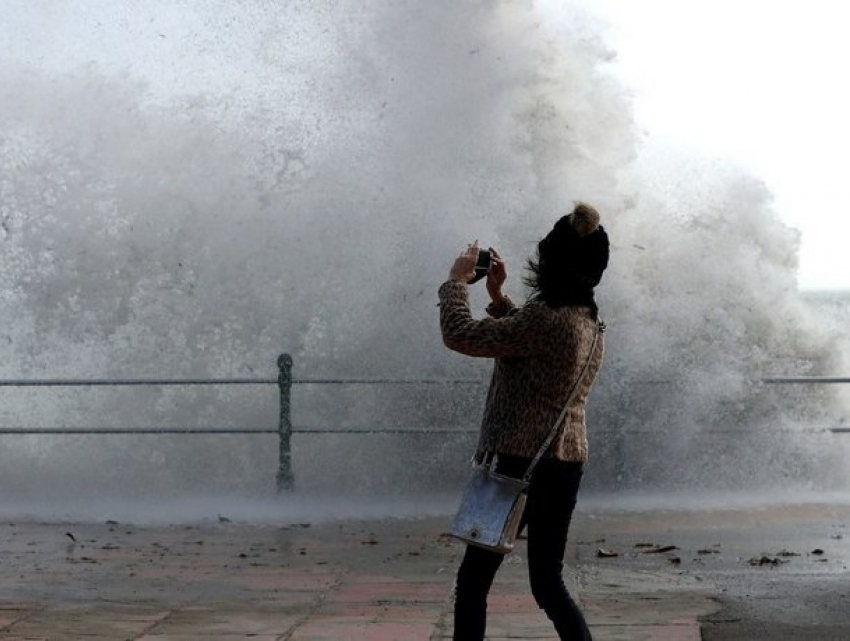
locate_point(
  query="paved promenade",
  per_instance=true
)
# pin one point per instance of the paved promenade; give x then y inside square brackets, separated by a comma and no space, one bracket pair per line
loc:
[379,580]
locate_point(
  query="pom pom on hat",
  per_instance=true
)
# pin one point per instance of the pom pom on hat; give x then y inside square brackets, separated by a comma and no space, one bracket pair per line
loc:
[584,219]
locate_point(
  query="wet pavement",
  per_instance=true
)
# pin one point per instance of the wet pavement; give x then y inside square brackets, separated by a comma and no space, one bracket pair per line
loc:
[639,574]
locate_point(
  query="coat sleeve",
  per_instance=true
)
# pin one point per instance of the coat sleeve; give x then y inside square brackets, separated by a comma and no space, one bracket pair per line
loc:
[515,334]
[502,308]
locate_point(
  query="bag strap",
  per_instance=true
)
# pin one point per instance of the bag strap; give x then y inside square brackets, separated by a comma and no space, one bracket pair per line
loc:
[600,328]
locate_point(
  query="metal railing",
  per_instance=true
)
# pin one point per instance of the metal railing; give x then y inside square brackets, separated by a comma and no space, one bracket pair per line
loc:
[805,380]
[811,380]
[285,429]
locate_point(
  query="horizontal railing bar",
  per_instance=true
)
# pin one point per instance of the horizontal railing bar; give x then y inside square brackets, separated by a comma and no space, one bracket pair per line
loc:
[119,382]
[137,430]
[813,380]
[437,430]
[344,430]
[355,430]
[228,430]
[55,382]
[792,430]
[389,381]
[474,430]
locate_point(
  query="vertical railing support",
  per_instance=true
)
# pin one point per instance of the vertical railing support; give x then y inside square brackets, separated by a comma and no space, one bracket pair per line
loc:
[285,479]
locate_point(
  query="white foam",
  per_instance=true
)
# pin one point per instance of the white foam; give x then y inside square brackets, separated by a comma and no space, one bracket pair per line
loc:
[188,193]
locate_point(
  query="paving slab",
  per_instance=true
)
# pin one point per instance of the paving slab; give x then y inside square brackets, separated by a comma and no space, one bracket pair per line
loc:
[387,579]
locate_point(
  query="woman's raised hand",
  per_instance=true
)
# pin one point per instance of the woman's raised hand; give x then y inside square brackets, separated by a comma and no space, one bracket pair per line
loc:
[463,268]
[496,277]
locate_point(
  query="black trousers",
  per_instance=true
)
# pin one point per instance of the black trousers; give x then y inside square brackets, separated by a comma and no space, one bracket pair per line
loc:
[551,499]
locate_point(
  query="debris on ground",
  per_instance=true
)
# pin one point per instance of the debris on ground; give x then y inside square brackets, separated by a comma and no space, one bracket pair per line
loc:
[766,560]
[660,549]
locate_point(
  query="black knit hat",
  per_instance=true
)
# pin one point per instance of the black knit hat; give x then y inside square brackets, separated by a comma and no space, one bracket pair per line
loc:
[577,248]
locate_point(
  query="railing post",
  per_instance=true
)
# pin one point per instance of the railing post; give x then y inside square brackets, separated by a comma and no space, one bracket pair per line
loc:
[285,480]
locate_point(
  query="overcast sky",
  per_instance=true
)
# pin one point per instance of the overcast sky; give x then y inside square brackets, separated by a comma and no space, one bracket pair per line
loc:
[759,81]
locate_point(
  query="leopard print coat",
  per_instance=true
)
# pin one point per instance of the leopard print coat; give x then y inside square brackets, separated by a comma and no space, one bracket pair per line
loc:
[539,353]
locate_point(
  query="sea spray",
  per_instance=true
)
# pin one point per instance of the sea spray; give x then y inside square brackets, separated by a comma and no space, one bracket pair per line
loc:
[190,190]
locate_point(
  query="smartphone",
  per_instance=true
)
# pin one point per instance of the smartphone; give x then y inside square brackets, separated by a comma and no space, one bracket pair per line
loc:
[485,262]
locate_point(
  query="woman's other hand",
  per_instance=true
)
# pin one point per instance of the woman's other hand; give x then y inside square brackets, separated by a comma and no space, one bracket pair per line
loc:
[463,269]
[496,277]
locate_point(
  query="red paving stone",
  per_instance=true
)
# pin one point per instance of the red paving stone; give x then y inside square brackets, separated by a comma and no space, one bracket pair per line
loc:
[511,603]
[249,581]
[393,592]
[387,612]
[8,617]
[274,579]
[363,631]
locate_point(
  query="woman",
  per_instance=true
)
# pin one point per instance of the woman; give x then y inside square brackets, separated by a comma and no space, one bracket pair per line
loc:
[539,351]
